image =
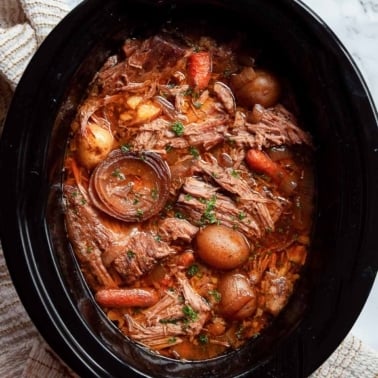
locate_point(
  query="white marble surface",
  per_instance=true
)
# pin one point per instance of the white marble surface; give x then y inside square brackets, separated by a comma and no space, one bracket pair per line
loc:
[355,23]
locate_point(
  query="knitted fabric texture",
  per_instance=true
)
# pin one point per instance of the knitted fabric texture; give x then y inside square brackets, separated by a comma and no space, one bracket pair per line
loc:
[23,353]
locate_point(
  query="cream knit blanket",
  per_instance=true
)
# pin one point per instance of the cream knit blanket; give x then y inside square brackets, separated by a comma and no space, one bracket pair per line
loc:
[23,353]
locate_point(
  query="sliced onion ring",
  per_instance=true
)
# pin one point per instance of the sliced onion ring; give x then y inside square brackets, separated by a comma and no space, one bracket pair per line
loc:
[131,187]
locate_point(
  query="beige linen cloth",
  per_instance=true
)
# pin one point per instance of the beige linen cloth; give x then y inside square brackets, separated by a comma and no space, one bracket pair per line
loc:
[23,353]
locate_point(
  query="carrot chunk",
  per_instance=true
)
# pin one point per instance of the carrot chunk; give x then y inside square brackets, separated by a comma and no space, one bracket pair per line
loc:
[262,163]
[127,297]
[199,69]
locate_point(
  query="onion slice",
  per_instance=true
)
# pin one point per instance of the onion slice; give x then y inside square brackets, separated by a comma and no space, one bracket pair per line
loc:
[131,187]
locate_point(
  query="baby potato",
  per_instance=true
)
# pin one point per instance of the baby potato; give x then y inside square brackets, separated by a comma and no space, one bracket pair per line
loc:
[222,247]
[93,145]
[264,89]
[238,299]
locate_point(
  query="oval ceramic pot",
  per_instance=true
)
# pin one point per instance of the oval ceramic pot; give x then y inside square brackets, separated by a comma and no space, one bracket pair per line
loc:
[335,106]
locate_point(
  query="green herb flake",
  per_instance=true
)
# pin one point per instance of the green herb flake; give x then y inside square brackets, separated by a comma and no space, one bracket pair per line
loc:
[139,213]
[125,148]
[118,174]
[203,339]
[230,141]
[130,254]
[209,217]
[235,173]
[188,92]
[193,270]
[179,215]
[172,340]
[194,152]
[178,128]
[239,333]
[216,295]
[189,313]
[188,197]
[241,215]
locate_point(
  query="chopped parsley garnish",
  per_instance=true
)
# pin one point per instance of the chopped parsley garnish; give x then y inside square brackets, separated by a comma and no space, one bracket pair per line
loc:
[241,215]
[126,148]
[194,152]
[208,216]
[179,215]
[193,270]
[117,173]
[189,313]
[235,173]
[139,213]
[188,197]
[172,340]
[136,201]
[130,254]
[178,128]
[168,148]
[216,295]
[240,332]
[188,92]
[214,174]
[203,339]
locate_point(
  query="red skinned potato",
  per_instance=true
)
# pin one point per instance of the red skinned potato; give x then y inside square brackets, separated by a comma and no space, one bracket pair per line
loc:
[256,87]
[222,247]
[238,300]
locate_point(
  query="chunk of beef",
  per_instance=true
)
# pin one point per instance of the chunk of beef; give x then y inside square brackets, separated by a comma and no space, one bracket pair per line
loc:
[167,317]
[112,77]
[276,126]
[91,235]
[175,228]
[227,179]
[156,52]
[207,133]
[142,252]
[204,205]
